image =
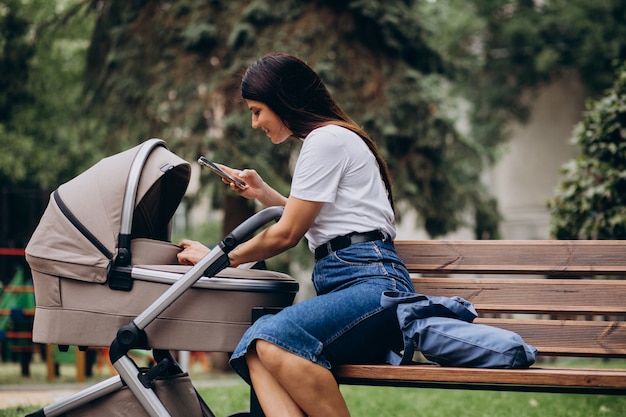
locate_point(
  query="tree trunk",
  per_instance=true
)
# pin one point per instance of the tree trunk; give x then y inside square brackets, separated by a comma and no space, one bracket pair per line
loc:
[236,210]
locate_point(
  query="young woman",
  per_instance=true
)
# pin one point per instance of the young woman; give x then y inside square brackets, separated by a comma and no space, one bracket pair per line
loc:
[341,201]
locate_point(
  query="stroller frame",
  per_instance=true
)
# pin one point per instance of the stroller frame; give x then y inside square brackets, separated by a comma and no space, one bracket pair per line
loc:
[133,335]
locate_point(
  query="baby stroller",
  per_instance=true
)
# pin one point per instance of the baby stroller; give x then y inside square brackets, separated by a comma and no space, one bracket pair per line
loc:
[105,275]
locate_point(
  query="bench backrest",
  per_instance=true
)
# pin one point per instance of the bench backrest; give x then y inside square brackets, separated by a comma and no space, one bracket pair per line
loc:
[564,297]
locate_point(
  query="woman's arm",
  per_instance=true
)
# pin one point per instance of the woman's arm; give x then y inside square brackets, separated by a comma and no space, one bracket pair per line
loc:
[284,234]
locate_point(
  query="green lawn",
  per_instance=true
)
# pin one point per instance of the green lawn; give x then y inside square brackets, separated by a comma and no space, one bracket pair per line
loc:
[392,401]
[232,396]
[378,401]
[389,402]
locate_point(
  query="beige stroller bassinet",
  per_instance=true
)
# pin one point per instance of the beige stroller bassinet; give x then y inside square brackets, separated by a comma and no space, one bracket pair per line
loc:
[105,274]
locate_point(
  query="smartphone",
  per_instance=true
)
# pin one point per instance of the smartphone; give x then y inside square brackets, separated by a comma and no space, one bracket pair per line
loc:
[203,161]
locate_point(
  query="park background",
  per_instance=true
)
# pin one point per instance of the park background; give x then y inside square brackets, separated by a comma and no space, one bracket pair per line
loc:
[499,119]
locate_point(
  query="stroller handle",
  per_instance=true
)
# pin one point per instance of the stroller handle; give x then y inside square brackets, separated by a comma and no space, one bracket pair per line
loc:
[249,226]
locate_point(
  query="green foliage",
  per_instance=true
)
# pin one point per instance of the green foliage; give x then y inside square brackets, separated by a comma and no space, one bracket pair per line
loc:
[435,167]
[15,53]
[396,27]
[200,36]
[504,49]
[179,81]
[590,201]
[43,135]
[400,68]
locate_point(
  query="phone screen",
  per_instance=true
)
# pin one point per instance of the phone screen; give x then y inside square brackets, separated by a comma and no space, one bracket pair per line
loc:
[205,162]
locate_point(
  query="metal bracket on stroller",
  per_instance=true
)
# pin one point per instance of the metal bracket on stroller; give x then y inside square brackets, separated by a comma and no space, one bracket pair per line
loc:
[119,278]
[157,370]
[166,366]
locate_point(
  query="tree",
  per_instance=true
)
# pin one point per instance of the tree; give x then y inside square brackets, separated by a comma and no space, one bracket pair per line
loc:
[15,54]
[41,65]
[172,69]
[590,201]
[42,133]
[408,70]
[503,50]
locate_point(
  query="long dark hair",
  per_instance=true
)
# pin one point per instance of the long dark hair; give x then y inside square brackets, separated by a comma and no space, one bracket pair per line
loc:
[295,92]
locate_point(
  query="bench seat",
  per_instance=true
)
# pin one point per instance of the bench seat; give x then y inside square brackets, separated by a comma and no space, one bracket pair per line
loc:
[534,379]
[566,298]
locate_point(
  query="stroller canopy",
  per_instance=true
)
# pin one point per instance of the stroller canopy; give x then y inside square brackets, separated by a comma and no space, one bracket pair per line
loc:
[91,218]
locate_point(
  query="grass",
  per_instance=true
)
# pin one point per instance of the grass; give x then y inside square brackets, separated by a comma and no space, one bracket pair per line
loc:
[387,401]
[17,411]
[393,401]
[371,401]
[227,395]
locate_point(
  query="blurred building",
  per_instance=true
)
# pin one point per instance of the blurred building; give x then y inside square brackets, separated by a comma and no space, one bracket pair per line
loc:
[526,175]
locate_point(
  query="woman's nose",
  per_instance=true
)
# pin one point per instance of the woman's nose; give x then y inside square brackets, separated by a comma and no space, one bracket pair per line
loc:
[255,122]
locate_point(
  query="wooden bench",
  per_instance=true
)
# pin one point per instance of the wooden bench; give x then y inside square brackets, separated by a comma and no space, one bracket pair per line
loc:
[567,298]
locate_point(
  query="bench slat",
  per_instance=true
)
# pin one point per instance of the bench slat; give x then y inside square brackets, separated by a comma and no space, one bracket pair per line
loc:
[542,257]
[608,381]
[569,337]
[523,295]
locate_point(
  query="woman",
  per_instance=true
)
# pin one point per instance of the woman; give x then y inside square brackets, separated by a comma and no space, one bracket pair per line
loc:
[341,201]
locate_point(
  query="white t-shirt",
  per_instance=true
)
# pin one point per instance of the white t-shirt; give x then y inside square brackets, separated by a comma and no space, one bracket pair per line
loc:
[336,167]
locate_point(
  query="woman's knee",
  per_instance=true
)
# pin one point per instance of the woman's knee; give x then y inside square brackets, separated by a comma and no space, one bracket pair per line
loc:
[268,353]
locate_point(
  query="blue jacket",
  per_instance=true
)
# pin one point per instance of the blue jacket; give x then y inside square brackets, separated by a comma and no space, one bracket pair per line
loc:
[442,330]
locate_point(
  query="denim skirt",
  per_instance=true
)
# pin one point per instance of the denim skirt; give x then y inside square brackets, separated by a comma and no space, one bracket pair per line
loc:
[345,322]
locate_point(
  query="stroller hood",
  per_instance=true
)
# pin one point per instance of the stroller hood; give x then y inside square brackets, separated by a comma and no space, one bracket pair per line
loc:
[81,230]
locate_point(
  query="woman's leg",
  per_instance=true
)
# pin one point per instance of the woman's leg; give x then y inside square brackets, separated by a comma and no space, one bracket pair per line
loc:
[288,385]
[273,398]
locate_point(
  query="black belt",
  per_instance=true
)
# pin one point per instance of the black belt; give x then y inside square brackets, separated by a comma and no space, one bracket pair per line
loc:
[341,242]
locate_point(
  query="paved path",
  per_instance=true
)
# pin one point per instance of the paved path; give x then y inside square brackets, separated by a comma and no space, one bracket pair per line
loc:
[46,394]
[41,395]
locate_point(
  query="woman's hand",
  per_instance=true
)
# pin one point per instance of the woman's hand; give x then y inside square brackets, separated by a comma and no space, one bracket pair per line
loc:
[256,188]
[192,252]
[254,182]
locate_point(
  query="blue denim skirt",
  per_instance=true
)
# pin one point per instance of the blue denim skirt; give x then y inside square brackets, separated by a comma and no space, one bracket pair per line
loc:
[345,322]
